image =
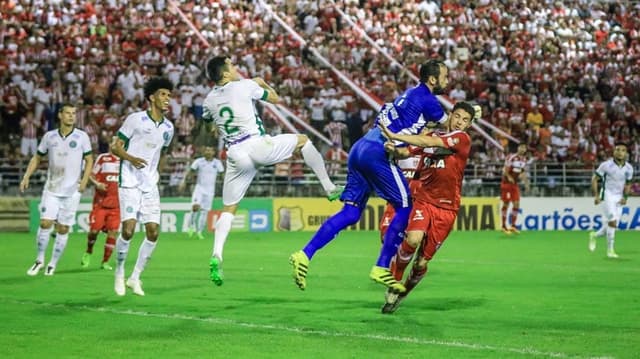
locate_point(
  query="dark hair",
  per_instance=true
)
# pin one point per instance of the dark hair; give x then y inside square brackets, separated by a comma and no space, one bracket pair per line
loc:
[62,106]
[215,67]
[156,83]
[620,143]
[430,68]
[465,106]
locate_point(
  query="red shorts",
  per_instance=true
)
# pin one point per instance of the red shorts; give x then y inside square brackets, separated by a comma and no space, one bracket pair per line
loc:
[104,219]
[435,222]
[385,221]
[509,192]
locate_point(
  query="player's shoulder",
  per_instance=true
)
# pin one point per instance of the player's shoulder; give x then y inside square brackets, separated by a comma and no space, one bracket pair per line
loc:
[462,135]
[167,123]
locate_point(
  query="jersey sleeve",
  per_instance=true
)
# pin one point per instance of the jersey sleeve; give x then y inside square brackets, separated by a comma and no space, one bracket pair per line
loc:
[256,92]
[195,164]
[86,145]
[207,110]
[601,170]
[629,174]
[43,146]
[433,111]
[219,166]
[97,165]
[457,141]
[168,138]
[127,129]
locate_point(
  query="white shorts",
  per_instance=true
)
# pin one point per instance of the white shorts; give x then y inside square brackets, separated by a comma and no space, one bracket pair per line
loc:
[612,209]
[244,158]
[202,197]
[141,206]
[61,209]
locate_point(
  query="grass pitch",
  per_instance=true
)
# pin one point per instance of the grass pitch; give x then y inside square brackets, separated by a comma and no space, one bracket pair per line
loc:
[539,294]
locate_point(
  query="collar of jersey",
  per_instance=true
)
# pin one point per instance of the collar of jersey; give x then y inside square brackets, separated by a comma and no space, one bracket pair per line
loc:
[65,137]
[151,118]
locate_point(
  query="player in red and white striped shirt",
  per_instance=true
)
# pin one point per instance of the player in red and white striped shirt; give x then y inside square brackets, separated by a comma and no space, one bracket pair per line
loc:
[514,171]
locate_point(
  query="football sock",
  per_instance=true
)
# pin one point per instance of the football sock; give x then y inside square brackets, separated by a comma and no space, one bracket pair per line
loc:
[144,253]
[108,249]
[91,240]
[223,226]
[503,212]
[402,259]
[348,215]
[415,276]
[611,234]
[122,249]
[602,231]
[42,241]
[393,237]
[58,248]
[514,216]
[313,159]
[202,220]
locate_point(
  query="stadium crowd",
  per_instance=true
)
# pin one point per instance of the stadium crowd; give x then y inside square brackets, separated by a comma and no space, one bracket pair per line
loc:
[564,76]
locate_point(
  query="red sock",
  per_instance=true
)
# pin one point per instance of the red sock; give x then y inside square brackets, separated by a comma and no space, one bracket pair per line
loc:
[514,216]
[108,249]
[414,278]
[401,260]
[91,240]
[503,211]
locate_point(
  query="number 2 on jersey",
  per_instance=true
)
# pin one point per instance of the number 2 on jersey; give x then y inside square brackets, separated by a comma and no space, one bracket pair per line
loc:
[227,114]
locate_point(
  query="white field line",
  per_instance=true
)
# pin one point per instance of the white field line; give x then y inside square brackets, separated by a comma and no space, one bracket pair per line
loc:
[235,323]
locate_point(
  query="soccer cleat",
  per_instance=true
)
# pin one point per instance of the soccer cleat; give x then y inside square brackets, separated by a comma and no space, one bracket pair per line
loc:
[106,266]
[51,270]
[35,268]
[506,231]
[86,259]
[384,276]
[611,254]
[199,235]
[335,193]
[514,230]
[300,263]
[136,286]
[215,271]
[190,232]
[392,301]
[119,286]
[592,241]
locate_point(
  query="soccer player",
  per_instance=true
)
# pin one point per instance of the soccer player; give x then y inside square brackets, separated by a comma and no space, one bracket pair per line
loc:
[616,174]
[230,107]
[207,168]
[105,214]
[512,173]
[65,148]
[436,197]
[142,141]
[370,169]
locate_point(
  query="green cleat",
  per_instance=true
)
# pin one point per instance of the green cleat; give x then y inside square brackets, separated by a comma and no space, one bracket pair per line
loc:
[300,263]
[335,193]
[215,267]
[384,276]
[106,266]
[190,232]
[199,235]
[86,260]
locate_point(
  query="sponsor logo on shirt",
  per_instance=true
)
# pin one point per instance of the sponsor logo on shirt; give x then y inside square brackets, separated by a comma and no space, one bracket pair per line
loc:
[73,144]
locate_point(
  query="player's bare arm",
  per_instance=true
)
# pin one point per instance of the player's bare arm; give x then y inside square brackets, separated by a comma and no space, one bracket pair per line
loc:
[416,140]
[625,193]
[506,174]
[117,148]
[33,165]
[397,152]
[272,95]
[594,189]
[187,178]
[88,167]
[97,184]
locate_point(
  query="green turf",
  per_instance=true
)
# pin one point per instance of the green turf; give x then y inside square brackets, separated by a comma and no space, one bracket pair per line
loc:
[541,294]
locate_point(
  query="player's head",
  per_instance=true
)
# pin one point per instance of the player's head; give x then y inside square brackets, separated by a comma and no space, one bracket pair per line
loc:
[461,116]
[435,74]
[208,152]
[67,114]
[158,92]
[620,151]
[220,70]
[522,148]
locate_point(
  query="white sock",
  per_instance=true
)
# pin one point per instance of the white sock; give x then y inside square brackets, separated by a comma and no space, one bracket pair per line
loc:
[611,234]
[194,220]
[313,159]
[144,254]
[223,226]
[58,248]
[42,241]
[122,249]
[202,220]
[602,231]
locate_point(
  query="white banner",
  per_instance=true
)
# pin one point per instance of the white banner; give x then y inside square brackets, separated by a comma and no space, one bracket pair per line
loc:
[576,213]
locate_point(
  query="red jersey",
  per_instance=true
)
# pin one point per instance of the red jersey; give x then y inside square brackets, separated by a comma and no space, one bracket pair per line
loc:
[514,165]
[106,170]
[409,165]
[441,171]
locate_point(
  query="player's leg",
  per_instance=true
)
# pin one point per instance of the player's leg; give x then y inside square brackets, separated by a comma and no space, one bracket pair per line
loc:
[66,219]
[204,204]
[505,196]
[130,202]
[614,212]
[314,160]
[150,216]
[112,224]
[515,199]
[385,221]
[49,207]
[419,225]
[96,223]
[195,211]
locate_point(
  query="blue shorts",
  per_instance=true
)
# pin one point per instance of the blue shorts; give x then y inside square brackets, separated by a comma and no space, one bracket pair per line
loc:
[370,169]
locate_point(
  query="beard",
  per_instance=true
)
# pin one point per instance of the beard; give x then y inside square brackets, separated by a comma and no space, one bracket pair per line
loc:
[438,90]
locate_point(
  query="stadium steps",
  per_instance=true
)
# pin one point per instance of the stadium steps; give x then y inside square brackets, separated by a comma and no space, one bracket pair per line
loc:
[14,214]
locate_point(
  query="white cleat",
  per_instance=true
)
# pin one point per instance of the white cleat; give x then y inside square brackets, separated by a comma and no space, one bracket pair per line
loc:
[51,270]
[136,286]
[612,254]
[119,286]
[35,268]
[592,241]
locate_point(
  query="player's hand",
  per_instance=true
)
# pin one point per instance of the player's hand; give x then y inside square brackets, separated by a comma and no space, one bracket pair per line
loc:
[137,162]
[101,186]
[389,147]
[24,184]
[181,187]
[82,186]
[597,201]
[623,202]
